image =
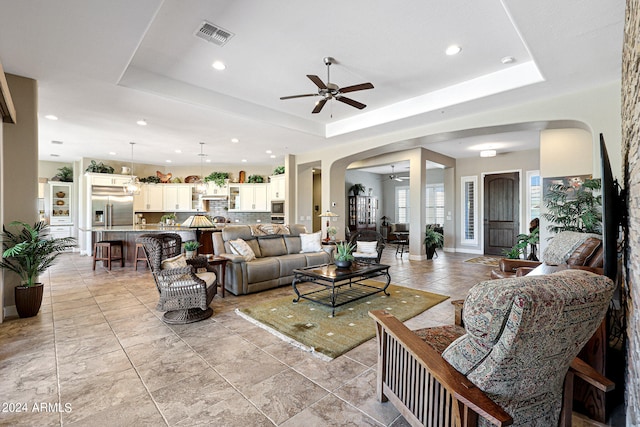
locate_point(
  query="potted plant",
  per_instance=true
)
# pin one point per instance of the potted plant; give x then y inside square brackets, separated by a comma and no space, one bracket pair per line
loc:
[357,189]
[432,239]
[65,174]
[344,255]
[98,167]
[279,170]
[168,219]
[574,209]
[218,178]
[255,179]
[332,231]
[28,253]
[190,248]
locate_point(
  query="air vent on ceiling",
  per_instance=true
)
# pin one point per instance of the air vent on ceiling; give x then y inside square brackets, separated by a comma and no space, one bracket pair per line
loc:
[57,142]
[213,33]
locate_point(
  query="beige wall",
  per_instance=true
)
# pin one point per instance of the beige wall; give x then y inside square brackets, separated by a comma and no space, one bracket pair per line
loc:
[19,167]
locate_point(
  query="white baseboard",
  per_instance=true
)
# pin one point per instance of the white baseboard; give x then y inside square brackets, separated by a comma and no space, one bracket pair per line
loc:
[417,257]
[470,251]
[10,311]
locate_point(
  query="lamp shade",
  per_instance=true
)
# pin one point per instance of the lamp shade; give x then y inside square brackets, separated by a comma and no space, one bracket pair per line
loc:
[198,221]
[328,214]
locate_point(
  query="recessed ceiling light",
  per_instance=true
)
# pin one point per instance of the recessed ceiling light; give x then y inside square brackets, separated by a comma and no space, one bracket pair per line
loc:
[453,50]
[508,60]
[244,160]
[51,117]
[208,161]
[178,151]
[273,156]
[55,155]
[142,122]
[235,140]
[112,153]
[168,161]
[268,151]
[218,65]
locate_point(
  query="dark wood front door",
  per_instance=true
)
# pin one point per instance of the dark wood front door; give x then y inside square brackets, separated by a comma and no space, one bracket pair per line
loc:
[501,212]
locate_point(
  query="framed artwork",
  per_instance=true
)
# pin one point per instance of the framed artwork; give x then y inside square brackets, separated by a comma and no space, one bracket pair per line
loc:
[573,184]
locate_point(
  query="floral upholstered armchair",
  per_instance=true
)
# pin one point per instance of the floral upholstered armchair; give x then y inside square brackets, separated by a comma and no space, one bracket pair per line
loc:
[508,365]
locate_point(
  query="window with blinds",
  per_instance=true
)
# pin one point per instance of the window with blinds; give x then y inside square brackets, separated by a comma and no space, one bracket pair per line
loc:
[470,210]
[402,204]
[435,204]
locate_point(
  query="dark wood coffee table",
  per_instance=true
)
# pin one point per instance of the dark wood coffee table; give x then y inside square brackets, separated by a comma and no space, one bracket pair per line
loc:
[340,286]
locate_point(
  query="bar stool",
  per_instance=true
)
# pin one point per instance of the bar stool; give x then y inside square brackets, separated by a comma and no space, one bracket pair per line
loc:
[107,246]
[143,257]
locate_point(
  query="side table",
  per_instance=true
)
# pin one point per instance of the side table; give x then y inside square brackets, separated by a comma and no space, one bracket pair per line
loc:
[220,263]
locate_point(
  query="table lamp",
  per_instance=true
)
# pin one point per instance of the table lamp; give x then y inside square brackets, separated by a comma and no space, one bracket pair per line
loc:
[328,214]
[198,221]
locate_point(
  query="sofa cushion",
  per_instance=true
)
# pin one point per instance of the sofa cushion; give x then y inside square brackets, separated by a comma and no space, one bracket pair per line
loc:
[311,242]
[399,227]
[272,245]
[297,229]
[209,277]
[293,244]
[288,263]
[562,246]
[240,247]
[263,269]
[317,258]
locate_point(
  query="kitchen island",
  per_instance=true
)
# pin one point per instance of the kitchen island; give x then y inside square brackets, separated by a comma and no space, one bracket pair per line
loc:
[129,234]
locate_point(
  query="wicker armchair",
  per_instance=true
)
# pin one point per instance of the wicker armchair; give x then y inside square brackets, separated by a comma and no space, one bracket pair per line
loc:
[368,236]
[185,293]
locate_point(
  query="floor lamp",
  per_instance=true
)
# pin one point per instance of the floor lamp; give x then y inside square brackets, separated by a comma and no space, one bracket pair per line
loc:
[328,214]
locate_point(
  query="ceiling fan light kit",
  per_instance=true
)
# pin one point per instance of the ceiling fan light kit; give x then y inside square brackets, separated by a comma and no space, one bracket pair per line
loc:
[331,90]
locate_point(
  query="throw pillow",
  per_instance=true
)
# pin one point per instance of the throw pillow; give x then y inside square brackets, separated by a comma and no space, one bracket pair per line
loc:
[311,242]
[367,247]
[178,261]
[240,247]
[562,246]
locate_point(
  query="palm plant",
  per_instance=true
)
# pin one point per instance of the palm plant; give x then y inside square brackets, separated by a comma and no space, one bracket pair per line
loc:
[30,252]
[572,209]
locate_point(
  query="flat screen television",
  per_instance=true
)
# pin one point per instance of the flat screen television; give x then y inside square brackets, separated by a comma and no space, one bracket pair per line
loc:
[613,213]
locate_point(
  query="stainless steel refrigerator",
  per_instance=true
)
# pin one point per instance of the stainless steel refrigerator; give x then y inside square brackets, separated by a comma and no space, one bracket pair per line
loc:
[110,207]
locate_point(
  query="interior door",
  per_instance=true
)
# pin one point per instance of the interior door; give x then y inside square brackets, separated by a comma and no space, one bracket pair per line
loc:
[501,212]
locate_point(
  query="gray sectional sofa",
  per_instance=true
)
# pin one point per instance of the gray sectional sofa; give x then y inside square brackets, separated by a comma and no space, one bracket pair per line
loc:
[277,255]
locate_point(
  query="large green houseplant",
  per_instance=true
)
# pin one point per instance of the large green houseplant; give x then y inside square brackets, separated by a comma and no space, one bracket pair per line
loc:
[574,209]
[432,239]
[29,251]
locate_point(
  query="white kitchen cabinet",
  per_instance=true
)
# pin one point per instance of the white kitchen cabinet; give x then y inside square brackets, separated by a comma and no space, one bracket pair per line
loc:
[107,179]
[177,197]
[60,203]
[214,190]
[248,198]
[276,187]
[150,198]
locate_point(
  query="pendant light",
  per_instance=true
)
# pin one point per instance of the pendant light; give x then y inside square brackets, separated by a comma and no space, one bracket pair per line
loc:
[133,185]
[201,186]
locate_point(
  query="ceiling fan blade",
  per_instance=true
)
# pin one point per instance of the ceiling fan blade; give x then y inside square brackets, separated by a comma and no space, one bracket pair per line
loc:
[351,102]
[361,86]
[298,96]
[398,179]
[317,81]
[319,105]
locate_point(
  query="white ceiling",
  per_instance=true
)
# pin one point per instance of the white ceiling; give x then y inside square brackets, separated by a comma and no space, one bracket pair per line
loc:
[103,65]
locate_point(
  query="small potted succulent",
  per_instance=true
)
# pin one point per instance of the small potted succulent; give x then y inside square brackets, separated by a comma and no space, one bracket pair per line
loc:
[344,255]
[190,248]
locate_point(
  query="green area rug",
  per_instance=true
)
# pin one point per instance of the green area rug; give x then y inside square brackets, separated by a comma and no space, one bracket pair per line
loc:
[485,260]
[310,326]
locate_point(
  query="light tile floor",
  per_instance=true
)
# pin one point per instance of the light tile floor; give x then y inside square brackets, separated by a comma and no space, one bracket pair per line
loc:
[99,355]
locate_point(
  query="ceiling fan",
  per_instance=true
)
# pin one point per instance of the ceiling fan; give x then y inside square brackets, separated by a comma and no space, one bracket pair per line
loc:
[331,90]
[395,177]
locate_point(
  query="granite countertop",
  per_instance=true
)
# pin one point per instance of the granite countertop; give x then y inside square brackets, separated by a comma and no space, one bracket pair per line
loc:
[146,228]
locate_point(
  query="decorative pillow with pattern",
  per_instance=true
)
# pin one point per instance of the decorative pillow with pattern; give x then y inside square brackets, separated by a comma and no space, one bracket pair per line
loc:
[562,246]
[178,261]
[367,247]
[240,247]
[311,242]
